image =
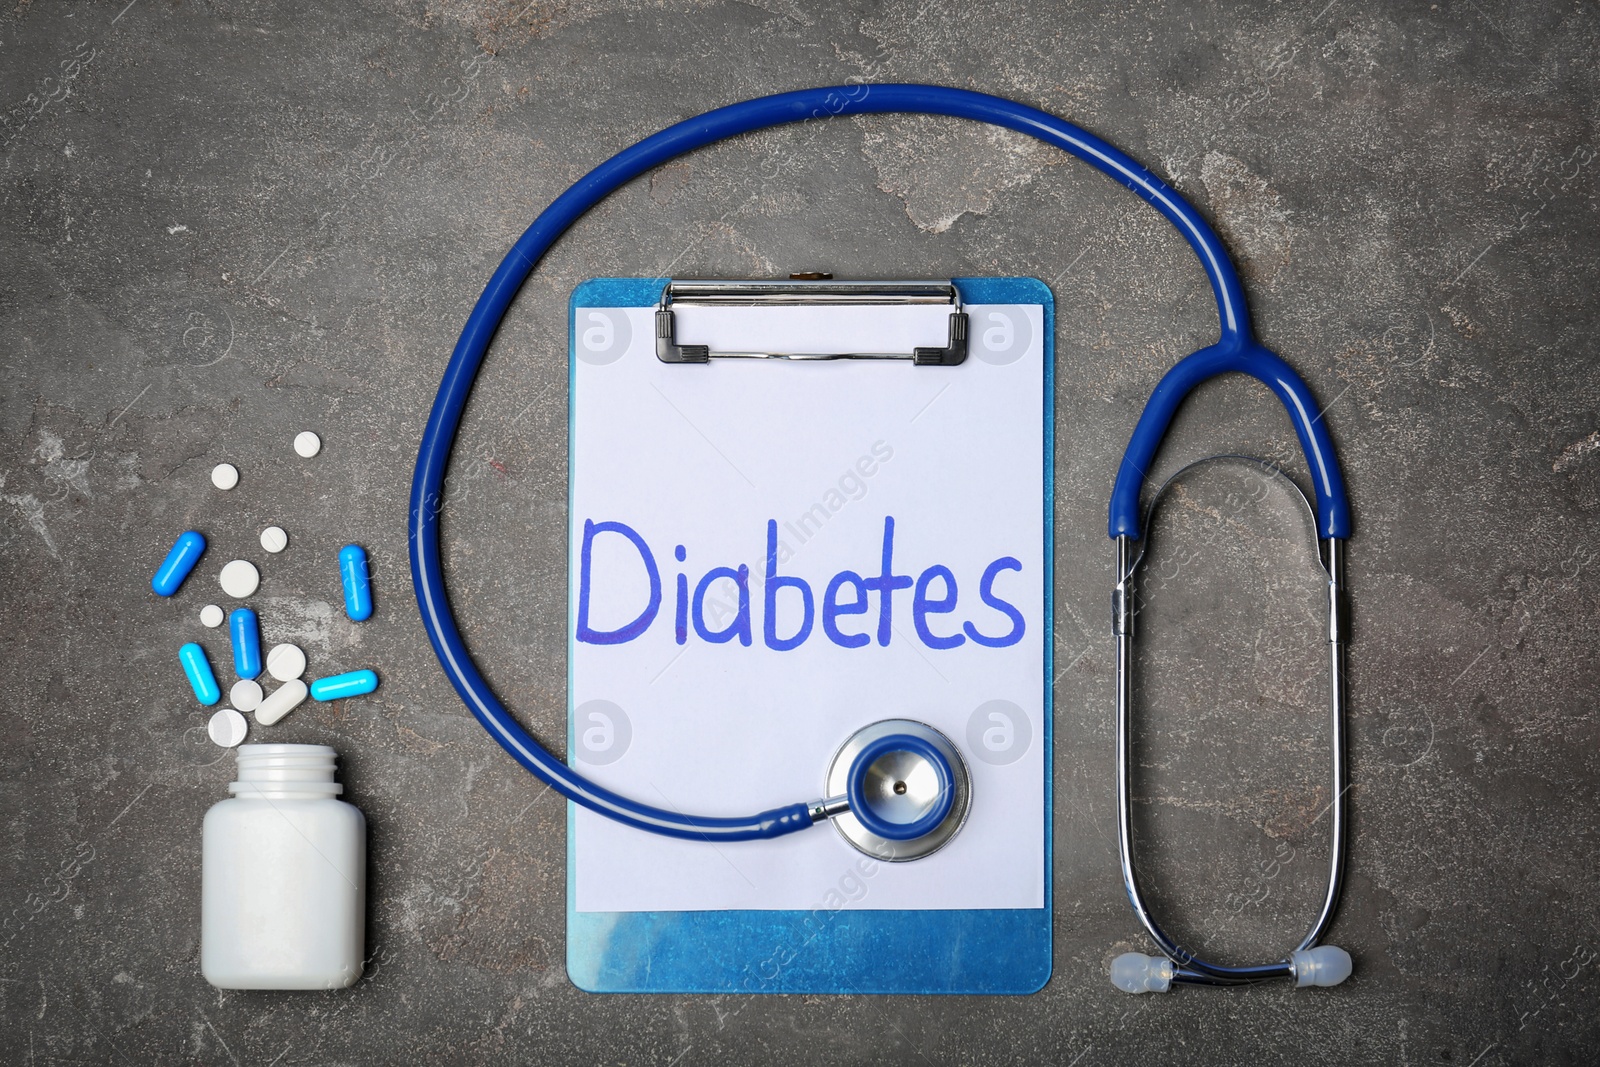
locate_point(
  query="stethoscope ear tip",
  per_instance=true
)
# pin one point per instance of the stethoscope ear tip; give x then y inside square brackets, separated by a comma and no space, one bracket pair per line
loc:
[1324,965]
[1134,972]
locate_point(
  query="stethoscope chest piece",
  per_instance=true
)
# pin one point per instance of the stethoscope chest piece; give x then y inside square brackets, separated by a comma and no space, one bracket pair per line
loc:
[908,789]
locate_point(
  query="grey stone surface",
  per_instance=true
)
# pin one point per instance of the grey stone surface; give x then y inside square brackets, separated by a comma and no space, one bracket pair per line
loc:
[225,222]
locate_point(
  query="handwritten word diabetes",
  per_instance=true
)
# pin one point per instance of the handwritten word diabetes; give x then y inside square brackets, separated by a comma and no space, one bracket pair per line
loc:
[934,593]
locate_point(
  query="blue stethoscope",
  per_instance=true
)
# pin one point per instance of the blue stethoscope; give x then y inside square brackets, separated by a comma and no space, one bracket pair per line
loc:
[898,789]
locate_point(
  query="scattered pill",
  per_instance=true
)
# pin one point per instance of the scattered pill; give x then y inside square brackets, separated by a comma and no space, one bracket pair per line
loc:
[211,616]
[281,701]
[307,444]
[354,684]
[245,630]
[357,584]
[198,668]
[227,728]
[185,553]
[224,476]
[274,540]
[245,694]
[239,578]
[286,662]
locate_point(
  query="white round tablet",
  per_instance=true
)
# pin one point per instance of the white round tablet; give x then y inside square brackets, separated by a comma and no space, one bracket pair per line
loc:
[246,694]
[224,476]
[227,728]
[307,443]
[274,540]
[286,662]
[211,616]
[239,578]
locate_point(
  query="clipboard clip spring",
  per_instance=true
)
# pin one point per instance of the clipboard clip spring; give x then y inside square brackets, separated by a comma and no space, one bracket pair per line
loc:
[790,293]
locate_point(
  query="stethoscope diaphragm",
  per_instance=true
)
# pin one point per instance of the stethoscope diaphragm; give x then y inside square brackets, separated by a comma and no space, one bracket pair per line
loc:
[907,787]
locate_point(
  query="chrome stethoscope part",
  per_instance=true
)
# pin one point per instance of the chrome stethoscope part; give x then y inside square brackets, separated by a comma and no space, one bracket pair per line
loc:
[899,790]
[1308,964]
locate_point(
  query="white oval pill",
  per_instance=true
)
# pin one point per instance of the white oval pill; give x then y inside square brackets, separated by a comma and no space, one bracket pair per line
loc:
[239,578]
[246,694]
[224,476]
[282,701]
[211,615]
[227,728]
[307,443]
[286,662]
[274,540]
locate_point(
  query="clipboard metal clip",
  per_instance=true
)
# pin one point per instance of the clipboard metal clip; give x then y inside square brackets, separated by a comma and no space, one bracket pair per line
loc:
[790,293]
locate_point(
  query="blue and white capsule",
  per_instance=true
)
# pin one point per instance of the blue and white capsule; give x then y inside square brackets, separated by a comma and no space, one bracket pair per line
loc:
[357,583]
[185,553]
[339,686]
[198,669]
[245,630]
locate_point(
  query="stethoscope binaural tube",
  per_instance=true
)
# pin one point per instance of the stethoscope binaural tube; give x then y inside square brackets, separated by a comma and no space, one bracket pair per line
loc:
[1309,963]
[445,417]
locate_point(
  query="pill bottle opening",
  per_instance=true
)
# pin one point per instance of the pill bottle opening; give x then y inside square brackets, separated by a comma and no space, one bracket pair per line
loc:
[286,771]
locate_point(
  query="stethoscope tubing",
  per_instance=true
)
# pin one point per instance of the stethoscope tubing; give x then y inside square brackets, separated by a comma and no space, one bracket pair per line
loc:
[445,417]
[1241,356]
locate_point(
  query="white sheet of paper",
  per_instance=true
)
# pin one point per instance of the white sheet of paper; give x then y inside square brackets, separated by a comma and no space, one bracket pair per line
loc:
[704,456]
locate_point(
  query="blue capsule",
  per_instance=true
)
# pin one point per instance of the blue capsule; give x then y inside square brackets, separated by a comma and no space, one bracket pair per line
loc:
[186,552]
[357,585]
[246,634]
[354,684]
[198,668]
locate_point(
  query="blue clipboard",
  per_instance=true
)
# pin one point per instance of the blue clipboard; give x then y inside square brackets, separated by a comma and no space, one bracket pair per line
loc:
[828,948]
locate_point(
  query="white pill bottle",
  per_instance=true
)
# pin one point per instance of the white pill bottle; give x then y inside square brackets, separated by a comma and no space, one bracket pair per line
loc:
[283,875]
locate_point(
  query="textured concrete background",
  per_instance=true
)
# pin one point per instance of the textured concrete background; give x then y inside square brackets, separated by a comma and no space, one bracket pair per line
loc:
[226,221]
